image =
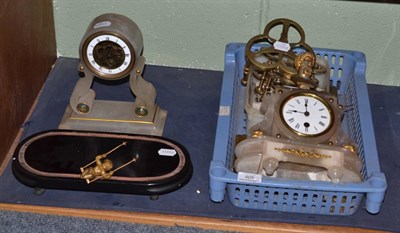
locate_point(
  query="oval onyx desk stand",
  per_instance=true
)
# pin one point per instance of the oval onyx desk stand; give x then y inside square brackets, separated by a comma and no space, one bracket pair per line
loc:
[53,160]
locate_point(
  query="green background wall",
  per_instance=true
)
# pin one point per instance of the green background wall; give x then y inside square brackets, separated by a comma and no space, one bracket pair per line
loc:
[193,33]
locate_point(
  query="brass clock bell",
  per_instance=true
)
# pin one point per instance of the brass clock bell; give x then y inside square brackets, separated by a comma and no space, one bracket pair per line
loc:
[111,50]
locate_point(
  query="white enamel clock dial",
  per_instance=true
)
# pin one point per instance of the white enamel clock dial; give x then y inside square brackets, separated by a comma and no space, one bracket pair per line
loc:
[108,55]
[307,114]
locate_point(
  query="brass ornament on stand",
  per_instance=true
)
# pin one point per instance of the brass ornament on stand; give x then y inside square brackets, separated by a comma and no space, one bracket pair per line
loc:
[103,168]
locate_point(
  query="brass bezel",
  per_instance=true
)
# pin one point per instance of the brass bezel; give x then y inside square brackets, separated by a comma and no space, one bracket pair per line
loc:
[102,75]
[324,134]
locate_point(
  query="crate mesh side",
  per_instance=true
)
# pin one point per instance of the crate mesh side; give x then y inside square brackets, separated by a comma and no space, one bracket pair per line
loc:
[354,123]
[292,200]
[233,124]
[342,77]
[338,69]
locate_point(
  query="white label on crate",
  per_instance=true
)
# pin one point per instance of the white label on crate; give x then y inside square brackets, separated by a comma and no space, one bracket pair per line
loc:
[167,152]
[224,110]
[249,177]
[282,46]
[102,24]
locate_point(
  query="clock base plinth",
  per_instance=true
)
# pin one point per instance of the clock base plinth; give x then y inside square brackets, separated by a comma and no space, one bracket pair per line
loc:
[117,117]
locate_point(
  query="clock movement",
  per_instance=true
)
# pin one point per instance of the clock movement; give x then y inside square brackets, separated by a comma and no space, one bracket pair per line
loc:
[111,50]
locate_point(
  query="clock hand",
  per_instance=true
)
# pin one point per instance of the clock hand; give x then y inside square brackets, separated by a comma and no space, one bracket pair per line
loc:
[306,103]
[290,111]
[306,113]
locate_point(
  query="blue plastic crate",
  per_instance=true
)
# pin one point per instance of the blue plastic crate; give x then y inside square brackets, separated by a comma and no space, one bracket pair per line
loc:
[347,71]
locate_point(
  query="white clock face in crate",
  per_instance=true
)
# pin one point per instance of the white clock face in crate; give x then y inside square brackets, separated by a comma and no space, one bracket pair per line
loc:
[307,114]
[108,56]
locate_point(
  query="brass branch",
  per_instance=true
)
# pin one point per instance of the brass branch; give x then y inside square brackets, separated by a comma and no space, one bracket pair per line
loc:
[303,154]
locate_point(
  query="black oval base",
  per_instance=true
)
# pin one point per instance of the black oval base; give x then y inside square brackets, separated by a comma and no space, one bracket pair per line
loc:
[52,160]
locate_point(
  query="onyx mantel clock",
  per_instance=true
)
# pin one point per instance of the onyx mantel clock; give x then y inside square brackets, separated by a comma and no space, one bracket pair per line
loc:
[111,49]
